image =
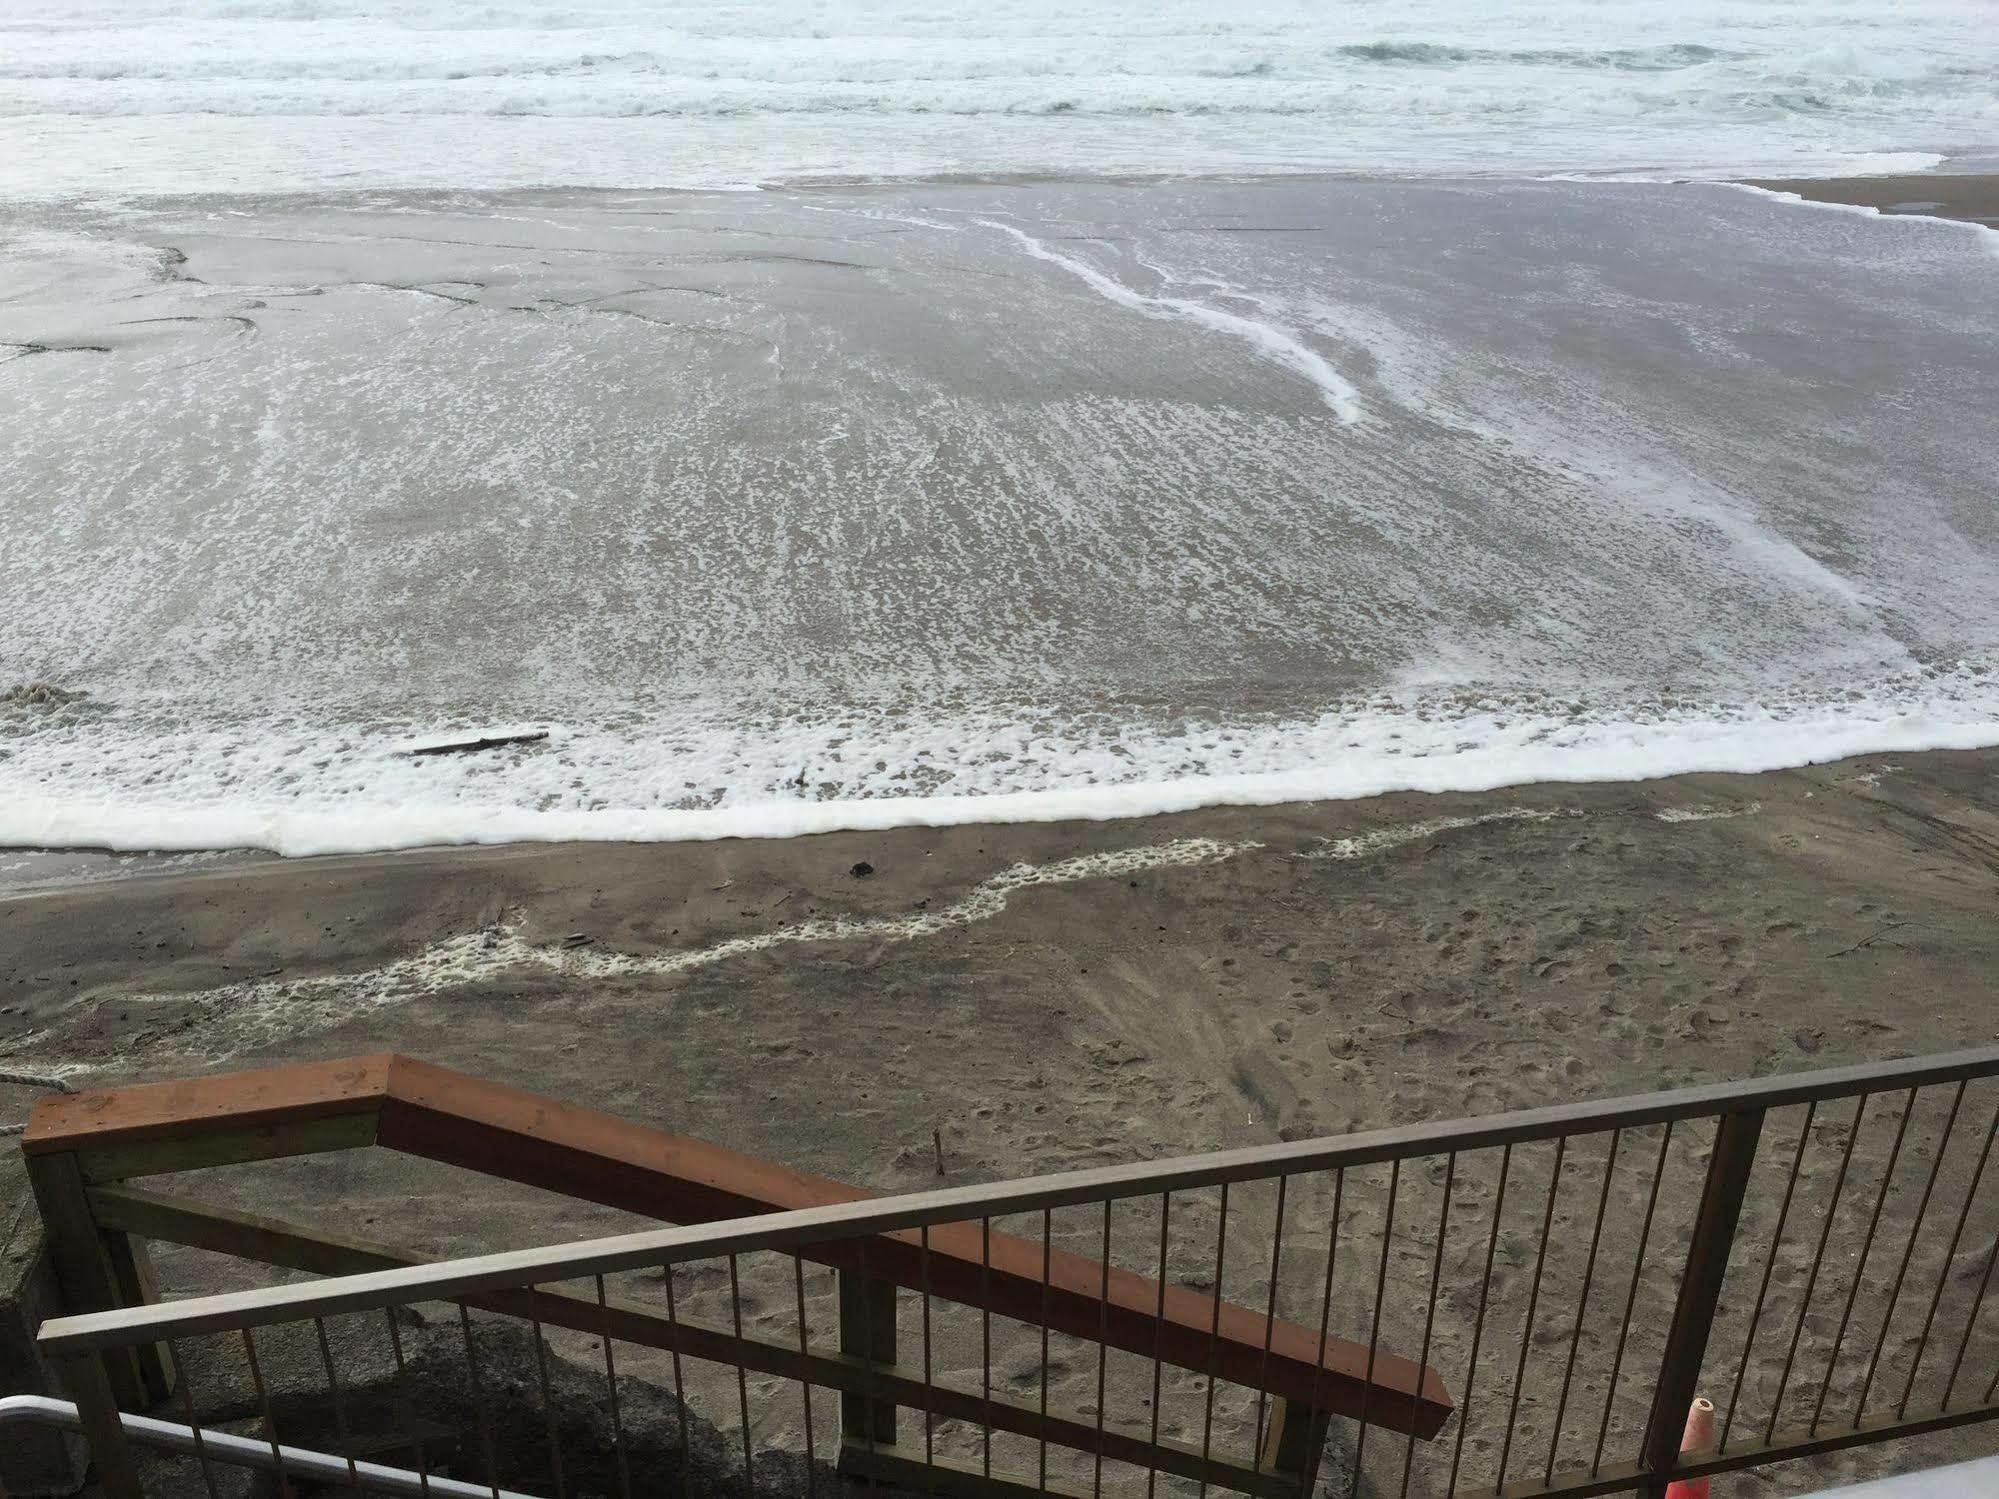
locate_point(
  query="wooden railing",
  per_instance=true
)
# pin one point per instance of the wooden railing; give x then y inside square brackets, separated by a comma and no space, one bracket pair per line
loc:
[84,1149]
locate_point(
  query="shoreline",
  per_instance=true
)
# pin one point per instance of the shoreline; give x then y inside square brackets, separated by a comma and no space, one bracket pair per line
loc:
[1967,197]
[1967,192]
[69,839]
[872,875]
[30,866]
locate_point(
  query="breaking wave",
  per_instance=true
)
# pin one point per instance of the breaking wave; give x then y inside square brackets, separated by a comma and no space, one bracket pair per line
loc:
[137,95]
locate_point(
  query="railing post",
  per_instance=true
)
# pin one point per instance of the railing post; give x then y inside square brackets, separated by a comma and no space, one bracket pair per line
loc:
[867,1331]
[1293,1441]
[98,1271]
[1735,1141]
[88,1379]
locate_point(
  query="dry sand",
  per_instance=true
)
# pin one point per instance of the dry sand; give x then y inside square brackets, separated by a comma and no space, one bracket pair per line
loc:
[1051,997]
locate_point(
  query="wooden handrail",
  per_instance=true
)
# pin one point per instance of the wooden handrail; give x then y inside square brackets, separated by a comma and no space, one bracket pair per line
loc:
[435,1113]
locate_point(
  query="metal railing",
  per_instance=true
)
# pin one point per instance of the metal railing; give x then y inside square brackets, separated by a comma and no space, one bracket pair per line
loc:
[1812,1252]
[243,1452]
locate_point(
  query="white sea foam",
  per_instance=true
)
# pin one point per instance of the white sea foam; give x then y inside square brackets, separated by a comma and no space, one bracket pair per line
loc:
[606,787]
[133,96]
[797,512]
[1279,345]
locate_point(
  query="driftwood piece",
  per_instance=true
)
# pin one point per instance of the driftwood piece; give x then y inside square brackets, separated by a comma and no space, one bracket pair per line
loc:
[467,746]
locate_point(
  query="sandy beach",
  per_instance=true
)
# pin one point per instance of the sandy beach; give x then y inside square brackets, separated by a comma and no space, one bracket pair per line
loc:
[937,594]
[1079,987]
[1048,997]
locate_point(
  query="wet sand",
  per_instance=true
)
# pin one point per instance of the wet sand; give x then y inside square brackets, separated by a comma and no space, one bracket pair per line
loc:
[1049,997]
[1973,196]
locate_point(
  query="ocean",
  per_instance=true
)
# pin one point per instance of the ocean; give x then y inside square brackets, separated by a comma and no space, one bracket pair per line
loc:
[852,415]
[159,96]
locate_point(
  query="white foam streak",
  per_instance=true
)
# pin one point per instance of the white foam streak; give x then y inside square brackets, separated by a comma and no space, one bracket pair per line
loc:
[220,1023]
[1364,845]
[1278,345]
[1706,814]
[1380,840]
[233,1018]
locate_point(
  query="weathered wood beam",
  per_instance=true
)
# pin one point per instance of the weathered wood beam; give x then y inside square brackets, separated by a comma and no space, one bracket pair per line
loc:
[189,1107]
[97,1268]
[122,1160]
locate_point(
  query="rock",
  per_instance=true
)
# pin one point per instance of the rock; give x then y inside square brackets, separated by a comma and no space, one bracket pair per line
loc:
[862,870]
[38,695]
[382,1409]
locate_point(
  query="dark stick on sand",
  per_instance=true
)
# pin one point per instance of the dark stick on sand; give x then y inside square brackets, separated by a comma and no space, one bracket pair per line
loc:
[467,746]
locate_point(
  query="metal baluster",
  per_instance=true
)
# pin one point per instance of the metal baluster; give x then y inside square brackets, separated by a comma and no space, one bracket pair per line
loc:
[409,1401]
[1950,1254]
[1769,1266]
[1103,1348]
[1429,1316]
[1909,1248]
[742,1377]
[611,1386]
[264,1407]
[1866,1250]
[1374,1334]
[547,1400]
[1158,1332]
[986,1339]
[1047,1254]
[1533,1303]
[679,1386]
[1812,1280]
[1582,1303]
[1269,1319]
[1215,1332]
[1631,1299]
[1325,1322]
[859,1329]
[1478,1322]
[481,1410]
[805,1383]
[929,1415]
[178,1367]
[1971,1326]
[340,1426]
